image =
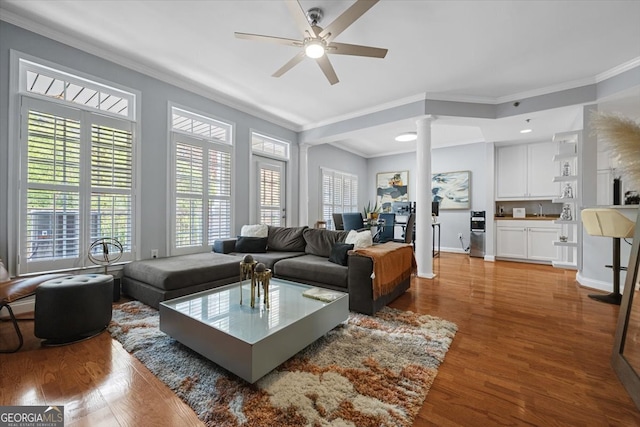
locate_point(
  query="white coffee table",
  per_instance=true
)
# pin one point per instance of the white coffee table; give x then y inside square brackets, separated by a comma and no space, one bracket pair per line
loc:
[251,342]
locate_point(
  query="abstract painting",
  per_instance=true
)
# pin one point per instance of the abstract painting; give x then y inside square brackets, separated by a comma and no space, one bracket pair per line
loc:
[392,187]
[451,189]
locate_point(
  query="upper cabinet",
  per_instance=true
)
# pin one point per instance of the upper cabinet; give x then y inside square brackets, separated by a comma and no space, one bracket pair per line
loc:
[526,171]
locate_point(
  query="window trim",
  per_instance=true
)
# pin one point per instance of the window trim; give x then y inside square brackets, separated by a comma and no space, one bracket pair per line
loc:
[334,172]
[229,145]
[14,152]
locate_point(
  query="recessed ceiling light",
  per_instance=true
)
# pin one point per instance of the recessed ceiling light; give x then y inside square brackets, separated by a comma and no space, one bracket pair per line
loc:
[407,136]
[526,131]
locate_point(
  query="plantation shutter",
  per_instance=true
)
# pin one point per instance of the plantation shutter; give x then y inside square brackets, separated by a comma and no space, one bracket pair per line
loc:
[51,223]
[112,181]
[270,182]
[219,195]
[77,167]
[339,194]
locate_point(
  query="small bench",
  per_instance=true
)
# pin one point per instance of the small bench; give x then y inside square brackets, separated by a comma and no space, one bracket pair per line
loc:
[17,289]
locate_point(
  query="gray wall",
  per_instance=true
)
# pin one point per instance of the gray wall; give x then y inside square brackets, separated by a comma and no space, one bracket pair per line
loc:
[153,142]
[469,157]
[331,157]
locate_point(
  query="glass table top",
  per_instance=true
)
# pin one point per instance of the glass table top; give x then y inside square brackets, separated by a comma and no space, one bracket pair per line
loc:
[220,308]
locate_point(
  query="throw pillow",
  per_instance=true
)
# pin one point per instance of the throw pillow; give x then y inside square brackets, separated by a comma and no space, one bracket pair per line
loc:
[286,239]
[362,239]
[254,245]
[255,230]
[339,253]
[320,241]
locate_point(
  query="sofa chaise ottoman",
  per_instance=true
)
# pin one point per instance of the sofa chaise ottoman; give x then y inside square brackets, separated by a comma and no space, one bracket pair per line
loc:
[155,280]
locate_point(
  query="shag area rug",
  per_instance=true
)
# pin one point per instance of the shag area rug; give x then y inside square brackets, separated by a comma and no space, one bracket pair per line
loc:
[368,371]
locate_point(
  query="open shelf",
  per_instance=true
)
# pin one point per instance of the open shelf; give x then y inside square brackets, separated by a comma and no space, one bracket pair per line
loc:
[561,221]
[565,200]
[568,156]
[565,178]
[569,244]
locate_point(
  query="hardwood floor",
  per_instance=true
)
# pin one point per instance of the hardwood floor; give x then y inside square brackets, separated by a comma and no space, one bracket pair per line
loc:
[531,349]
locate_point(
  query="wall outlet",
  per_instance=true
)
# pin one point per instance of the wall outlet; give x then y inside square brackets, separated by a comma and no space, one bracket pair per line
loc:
[459,235]
[154,253]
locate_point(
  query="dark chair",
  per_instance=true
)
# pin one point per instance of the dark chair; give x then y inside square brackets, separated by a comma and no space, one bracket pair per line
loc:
[337,221]
[352,221]
[386,227]
[408,230]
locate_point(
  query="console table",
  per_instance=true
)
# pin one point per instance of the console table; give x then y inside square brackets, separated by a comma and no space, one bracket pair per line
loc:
[435,226]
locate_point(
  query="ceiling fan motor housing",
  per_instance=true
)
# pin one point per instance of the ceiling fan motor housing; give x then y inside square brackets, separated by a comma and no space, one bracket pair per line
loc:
[314,15]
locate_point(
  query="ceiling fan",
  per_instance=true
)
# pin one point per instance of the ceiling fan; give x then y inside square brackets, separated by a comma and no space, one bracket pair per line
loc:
[318,41]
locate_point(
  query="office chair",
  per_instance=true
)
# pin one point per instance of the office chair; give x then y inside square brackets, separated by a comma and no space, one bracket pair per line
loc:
[337,221]
[352,221]
[385,233]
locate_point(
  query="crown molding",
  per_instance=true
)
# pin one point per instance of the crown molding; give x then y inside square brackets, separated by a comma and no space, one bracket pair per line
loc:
[136,65]
[364,112]
[629,65]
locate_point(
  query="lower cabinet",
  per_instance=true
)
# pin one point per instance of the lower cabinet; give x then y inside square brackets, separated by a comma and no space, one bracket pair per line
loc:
[527,240]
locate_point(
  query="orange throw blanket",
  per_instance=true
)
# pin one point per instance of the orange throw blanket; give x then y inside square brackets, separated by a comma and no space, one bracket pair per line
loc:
[392,264]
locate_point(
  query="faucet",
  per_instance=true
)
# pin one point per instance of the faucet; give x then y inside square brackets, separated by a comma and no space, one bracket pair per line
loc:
[540,209]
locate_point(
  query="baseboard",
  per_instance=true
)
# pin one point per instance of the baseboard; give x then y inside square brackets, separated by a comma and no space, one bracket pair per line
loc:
[490,258]
[594,284]
[26,305]
[454,250]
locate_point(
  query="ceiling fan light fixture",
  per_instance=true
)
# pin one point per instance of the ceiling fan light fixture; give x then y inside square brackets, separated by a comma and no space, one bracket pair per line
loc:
[407,136]
[314,49]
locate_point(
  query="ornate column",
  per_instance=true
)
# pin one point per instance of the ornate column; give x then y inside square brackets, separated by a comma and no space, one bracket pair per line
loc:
[424,230]
[303,173]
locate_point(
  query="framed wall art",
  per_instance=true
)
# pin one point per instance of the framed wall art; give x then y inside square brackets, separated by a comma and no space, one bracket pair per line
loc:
[392,187]
[451,189]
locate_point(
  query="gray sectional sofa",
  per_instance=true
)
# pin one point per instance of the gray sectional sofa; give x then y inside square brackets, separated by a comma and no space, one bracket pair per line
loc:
[299,254]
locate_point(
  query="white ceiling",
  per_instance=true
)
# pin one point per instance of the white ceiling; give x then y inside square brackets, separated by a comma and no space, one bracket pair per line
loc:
[483,51]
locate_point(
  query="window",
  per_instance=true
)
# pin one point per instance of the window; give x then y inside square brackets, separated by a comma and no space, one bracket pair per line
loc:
[339,194]
[43,81]
[261,144]
[201,177]
[77,168]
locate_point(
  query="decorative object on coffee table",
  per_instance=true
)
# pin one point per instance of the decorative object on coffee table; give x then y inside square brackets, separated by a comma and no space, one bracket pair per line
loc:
[246,272]
[261,277]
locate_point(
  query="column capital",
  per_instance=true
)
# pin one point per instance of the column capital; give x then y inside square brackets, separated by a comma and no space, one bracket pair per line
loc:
[426,119]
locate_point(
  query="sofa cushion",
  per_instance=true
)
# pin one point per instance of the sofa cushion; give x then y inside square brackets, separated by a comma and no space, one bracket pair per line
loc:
[319,241]
[246,244]
[182,271]
[254,230]
[312,268]
[288,239]
[360,239]
[271,257]
[339,253]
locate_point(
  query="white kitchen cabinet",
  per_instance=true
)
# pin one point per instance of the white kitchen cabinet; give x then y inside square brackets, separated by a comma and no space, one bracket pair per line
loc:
[526,171]
[527,240]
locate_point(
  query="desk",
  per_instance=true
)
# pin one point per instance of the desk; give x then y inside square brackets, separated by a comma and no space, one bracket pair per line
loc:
[435,226]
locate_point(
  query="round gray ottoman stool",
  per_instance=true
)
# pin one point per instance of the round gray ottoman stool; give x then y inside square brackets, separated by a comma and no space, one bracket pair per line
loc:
[73,308]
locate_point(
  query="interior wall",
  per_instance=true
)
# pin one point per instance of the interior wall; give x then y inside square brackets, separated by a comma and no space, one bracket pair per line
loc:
[331,157]
[153,140]
[449,159]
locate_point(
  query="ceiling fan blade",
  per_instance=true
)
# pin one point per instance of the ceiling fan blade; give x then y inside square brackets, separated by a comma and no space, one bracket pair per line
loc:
[327,69]
[357,50]
[300,16]
[289,65]
[347,18]
[270,39]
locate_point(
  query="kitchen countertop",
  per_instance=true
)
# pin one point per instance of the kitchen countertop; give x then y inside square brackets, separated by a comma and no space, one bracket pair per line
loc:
[527,218]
